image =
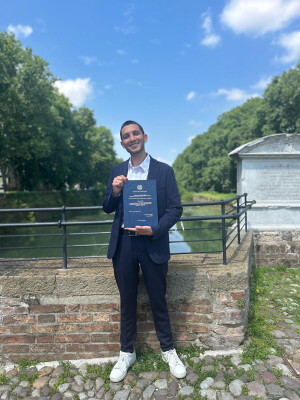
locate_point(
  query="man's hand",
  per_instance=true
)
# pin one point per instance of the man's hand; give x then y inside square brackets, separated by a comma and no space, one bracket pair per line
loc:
[141,230]
[118,183]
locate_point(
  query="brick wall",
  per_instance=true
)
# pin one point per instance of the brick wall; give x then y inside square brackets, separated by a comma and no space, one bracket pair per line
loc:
[277,248]
[208,305]
[82,331]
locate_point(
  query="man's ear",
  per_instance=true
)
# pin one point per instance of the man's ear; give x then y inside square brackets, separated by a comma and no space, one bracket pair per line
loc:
[145,137]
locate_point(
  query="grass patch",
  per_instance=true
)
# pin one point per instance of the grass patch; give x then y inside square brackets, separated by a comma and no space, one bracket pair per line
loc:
[148,360]
[63,378]
[23,364]
[3,379]
[269,289]
[30,379]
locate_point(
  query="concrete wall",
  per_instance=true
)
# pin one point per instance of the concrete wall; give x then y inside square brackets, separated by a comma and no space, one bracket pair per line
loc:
[277,248]
[48,313]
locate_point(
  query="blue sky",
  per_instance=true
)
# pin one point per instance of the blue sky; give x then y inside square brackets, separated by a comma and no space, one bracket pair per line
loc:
[174,66]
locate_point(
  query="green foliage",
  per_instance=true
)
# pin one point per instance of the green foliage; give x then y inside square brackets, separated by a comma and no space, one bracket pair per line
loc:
[23,363]
[3,379]
[268,289]
[148,360]
[205,164]
[44,142]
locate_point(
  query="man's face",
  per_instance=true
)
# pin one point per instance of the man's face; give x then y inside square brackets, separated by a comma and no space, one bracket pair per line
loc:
[133,139]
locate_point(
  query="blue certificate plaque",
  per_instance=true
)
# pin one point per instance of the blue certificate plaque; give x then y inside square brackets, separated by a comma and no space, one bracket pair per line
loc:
[140,203]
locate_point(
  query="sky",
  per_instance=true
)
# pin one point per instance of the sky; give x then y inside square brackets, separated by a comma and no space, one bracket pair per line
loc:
[172,65]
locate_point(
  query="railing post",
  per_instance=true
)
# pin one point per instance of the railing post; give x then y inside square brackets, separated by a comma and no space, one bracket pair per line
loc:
[63,218]
[223,233]
[246,223]
[238,220]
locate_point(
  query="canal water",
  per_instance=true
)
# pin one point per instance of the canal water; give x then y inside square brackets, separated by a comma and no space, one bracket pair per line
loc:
[92,240]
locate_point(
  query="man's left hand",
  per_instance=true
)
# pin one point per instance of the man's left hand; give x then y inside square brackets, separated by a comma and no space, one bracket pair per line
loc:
[141,230]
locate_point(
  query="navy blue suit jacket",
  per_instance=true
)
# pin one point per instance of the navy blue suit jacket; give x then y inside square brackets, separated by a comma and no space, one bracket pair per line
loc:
[169,209]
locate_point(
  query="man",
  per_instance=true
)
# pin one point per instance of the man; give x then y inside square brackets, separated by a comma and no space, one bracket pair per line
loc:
[143,245]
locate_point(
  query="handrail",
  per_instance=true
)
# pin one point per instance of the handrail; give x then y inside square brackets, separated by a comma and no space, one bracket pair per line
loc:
[241,209]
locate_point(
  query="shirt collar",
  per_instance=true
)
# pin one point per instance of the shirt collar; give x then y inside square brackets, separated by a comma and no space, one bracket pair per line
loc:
[144,166]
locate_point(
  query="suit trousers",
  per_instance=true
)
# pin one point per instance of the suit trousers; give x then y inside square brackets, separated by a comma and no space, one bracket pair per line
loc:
[132,252]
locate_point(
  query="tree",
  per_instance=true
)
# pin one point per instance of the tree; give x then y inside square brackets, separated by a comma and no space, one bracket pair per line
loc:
[25,110]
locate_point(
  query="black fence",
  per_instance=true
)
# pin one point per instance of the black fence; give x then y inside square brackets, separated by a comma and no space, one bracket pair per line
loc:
[229,223]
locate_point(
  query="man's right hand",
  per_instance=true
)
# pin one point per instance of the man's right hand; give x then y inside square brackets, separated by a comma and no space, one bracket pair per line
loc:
[118,183]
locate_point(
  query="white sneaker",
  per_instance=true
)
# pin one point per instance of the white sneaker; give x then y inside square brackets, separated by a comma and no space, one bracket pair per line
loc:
[119,371]
[176,366]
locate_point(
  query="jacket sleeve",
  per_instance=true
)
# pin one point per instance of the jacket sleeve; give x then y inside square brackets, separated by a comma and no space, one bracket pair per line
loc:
[173,210]
[110,202]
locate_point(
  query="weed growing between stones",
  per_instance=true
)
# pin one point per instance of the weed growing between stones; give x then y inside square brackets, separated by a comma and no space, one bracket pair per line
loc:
[148,360]
[23,363]
[3,379]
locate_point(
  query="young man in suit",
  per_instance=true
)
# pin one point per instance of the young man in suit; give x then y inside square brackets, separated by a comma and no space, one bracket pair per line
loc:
[143,245]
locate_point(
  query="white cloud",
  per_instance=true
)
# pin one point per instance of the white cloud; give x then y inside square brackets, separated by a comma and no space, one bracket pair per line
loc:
[127,26]
[192,122]
[191,96]
[291,43]
[210,39]
[20,30]
[121,52]
[262,83]
[190,138]
[235,94]
[77,90]
[173,151]
[257,17]
[88,60]
[107,87]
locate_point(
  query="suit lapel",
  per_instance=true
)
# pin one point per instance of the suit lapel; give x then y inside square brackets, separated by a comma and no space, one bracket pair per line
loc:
[123,170]
[153,169]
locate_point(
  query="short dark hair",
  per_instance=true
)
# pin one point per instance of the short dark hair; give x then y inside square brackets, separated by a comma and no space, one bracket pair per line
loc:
[129,122]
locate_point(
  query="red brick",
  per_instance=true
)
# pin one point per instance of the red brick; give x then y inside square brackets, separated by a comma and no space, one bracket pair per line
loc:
[14,310]
[116,317]
[46,318]
[4,329]
[43,328]
[45,309]
[22,319]
[191,328]
[74,308]
[204,309]
[95,347]
[202,302]
[74,348]
[70,328]
[101,317]
[18,329]
[47,348]
[74,318]
[17,339]
[238,295]
[219,314]
[187,308]
[114,337]
[185,336]
[204,319]
[100,337]
[102,307]
[18,348]
[113,346]
[81,338]
[45,339]
[103,327]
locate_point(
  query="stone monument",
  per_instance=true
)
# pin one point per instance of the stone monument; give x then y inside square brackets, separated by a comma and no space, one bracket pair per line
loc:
[268,170]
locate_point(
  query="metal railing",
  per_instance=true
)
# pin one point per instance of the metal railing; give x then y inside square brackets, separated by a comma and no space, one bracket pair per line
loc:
[231,230]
